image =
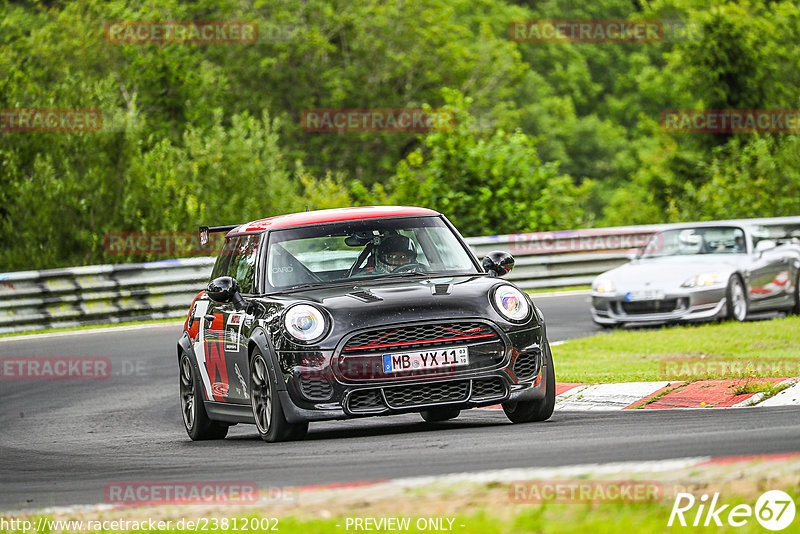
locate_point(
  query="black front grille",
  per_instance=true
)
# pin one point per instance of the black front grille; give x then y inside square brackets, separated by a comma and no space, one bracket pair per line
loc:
[488,388]
[424,394]
[365,400]
[424,335]
[316,388]
[650,306]
[526,365]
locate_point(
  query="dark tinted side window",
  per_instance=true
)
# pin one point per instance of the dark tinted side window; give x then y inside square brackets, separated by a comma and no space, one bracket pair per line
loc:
[242,266]
[224,258]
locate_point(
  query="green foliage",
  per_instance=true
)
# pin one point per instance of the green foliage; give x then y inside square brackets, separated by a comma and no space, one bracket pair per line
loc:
[487,184]
[554,135]
[750,178]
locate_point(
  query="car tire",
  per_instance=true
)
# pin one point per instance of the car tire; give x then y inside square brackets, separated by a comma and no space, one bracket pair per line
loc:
[736,299]
[440,413]
[195,418]
[270,421]
[539,409]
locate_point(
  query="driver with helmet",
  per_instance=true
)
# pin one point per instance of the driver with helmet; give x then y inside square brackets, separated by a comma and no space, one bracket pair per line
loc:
[391,253]
[394,252]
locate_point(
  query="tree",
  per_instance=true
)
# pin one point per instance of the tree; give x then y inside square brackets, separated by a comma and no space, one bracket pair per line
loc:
[487,184]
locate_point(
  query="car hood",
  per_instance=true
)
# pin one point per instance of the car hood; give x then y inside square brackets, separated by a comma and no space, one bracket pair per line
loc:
[670,271]
[379,303]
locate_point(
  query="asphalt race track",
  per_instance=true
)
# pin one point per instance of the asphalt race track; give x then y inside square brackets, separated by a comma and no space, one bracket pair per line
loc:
[63,441]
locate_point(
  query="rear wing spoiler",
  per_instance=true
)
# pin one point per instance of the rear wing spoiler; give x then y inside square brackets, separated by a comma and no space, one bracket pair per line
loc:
[205,230]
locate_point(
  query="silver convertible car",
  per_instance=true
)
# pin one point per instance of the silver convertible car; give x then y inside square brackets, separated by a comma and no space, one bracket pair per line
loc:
[701,272]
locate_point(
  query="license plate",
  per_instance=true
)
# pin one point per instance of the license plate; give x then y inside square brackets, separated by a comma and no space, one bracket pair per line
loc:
[429,359]
[649,294]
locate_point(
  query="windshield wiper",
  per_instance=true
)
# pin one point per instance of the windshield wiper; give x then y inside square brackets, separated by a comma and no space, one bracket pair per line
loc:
[359,280]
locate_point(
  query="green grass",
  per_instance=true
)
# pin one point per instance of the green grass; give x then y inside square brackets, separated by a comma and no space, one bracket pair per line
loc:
[90,327]
[598,518]
[769,389]
[719,350]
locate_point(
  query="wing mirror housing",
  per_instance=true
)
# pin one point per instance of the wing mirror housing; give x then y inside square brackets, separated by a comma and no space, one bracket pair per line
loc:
[765,245]
[225,289]
[498,263]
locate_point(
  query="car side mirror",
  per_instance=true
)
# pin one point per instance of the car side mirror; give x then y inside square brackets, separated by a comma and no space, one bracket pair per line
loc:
[765,245]
[225,289]
[498,263]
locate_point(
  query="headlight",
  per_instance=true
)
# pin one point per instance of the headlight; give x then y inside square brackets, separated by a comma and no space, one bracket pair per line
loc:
[703,279]
[511,303]
[603,285]
[304,322]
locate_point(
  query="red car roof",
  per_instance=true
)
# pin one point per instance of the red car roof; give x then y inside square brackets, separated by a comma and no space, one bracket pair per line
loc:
[308,218]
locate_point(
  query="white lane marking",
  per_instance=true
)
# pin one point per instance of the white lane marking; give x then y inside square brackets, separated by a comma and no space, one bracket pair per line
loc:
[755,399]
[554,473]
[557,343]
[107,329]
[560,293]
[609,396]
[788,397]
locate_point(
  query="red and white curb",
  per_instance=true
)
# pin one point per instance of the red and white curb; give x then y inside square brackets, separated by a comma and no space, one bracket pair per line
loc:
[670,395]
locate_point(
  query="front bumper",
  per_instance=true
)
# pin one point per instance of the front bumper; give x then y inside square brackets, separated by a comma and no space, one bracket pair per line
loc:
[676,306]
[522,391]
[518,374]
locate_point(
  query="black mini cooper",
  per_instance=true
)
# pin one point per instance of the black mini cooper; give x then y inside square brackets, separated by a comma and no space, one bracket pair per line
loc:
[353,312]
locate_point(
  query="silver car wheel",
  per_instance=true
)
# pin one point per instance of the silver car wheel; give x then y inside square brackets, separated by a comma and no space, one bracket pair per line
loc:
[188,406]
[261,394]
[738,300]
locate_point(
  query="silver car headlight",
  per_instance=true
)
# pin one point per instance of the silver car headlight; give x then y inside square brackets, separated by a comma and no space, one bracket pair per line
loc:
[305,323]
[704,279]
[602,284]
[511,303]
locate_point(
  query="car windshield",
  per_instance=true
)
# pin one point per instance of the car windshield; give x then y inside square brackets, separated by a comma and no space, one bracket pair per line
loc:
[691,241]
[362,250]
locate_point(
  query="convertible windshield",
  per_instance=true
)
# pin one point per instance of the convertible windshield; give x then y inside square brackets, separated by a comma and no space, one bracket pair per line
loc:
[691,241]
[359,250]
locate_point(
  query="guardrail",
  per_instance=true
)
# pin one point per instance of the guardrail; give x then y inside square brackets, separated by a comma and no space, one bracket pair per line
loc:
[100,294]
[103,294]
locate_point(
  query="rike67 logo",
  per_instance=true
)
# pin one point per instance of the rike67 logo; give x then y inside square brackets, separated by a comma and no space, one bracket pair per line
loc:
[774,510]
